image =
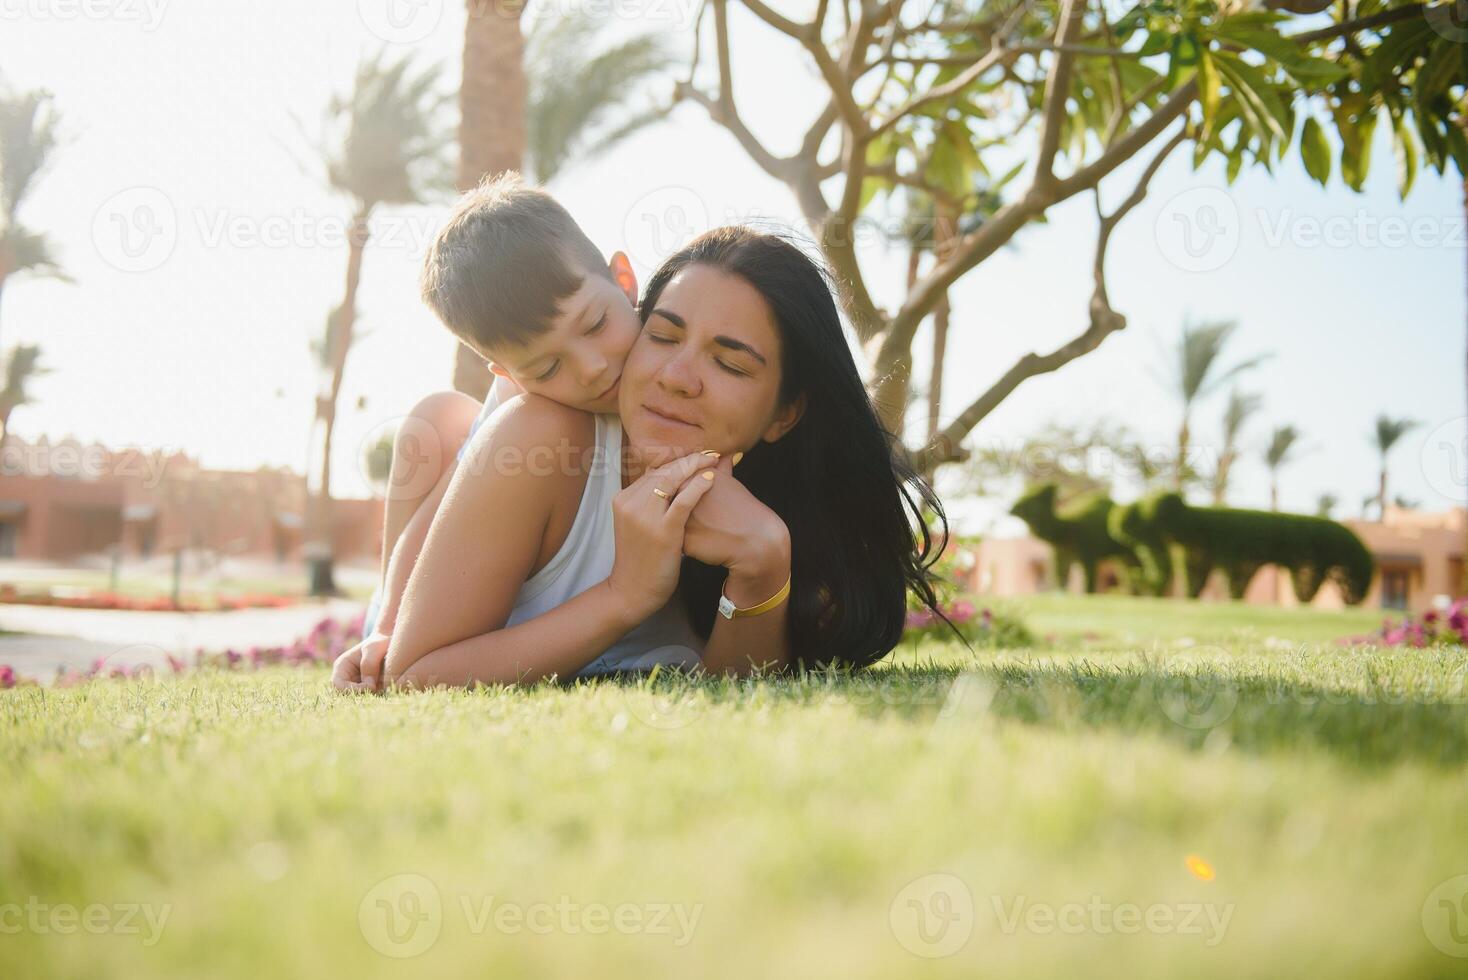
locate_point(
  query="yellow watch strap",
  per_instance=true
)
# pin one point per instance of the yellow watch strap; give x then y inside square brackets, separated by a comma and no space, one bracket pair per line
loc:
[730,611]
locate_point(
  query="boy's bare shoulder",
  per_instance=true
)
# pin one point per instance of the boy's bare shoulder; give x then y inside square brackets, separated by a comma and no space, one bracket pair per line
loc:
[527,422]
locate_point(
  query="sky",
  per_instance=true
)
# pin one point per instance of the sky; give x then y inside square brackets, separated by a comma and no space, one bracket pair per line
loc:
[206,250]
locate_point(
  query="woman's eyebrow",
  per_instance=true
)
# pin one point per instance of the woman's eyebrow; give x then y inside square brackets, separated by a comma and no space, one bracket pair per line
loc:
[721,340]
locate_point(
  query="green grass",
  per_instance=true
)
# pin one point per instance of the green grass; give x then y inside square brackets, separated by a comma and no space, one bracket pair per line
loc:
[790,822]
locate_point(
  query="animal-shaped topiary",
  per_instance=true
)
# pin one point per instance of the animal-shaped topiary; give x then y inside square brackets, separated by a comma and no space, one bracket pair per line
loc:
[1240,542]
[1077,531]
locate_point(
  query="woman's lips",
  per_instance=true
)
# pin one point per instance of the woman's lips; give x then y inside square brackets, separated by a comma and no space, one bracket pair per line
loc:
[667,418]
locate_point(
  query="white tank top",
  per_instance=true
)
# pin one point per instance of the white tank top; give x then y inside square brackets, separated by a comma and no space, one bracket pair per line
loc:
[585,559]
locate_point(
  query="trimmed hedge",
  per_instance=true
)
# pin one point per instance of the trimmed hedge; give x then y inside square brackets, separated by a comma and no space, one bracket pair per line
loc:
[1240,542]
[1079,532]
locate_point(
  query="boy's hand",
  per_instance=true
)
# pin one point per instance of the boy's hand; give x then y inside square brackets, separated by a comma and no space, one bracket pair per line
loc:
[346,672]
[373,654]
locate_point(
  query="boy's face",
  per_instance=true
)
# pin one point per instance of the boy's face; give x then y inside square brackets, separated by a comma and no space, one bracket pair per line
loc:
[578,361]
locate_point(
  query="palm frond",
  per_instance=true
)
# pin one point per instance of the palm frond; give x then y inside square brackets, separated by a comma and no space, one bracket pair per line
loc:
[387,141]
[1281,445]
[1241,406]
[1197,372]
[21,367]
[580,106]
[1390,430]
[28,135]
[26,251]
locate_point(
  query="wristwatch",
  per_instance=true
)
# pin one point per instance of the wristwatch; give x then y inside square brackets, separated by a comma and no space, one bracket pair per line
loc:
[728,610]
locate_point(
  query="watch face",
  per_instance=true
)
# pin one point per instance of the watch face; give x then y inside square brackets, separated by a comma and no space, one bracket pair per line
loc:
[726,607]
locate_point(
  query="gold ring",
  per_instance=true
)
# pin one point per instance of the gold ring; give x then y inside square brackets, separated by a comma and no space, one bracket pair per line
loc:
[661,493]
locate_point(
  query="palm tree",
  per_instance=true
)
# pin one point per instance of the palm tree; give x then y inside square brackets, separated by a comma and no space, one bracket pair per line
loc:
[23,367]
[1326,505]
[538,100]
[1281,445]
[28,134]
[1197,373]
[385,145]
[1240,407]
[1388,432]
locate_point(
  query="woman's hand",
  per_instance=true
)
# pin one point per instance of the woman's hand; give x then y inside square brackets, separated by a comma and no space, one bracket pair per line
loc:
[649,531]
[730,527]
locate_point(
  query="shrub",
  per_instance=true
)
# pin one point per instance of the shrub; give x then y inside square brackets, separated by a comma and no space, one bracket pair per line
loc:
[1079,532]
[1240,542]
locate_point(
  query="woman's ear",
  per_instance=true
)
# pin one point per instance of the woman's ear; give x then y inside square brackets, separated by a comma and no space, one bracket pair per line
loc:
[785,420]
[625,278]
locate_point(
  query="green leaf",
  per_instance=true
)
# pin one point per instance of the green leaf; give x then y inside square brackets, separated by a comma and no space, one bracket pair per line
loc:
[1208,89]
[1156,43]
[1406,147]
[1251,86]
[1315,151]
[1356,149]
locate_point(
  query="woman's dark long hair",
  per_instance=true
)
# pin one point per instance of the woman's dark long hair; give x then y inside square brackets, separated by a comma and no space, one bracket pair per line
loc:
[838,479]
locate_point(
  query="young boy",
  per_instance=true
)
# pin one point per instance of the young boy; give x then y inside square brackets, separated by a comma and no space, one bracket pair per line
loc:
[516,279]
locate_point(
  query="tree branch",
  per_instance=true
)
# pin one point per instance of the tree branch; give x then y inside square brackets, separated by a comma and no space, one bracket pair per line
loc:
[1104,321]
[1057,91]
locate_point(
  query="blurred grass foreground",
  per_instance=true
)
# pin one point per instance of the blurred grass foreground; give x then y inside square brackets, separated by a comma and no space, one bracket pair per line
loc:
[1225,803]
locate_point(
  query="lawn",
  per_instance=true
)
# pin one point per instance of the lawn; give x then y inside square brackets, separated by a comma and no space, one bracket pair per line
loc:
[1208,803]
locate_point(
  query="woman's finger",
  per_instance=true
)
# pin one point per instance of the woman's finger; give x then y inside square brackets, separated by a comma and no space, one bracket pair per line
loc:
[670,477]
[682,505]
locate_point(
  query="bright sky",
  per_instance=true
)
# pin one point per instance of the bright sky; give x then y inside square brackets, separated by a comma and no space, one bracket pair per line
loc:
[179,121]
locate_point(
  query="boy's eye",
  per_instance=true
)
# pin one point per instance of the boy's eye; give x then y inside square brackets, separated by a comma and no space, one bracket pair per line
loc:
[549,372]
[596,327]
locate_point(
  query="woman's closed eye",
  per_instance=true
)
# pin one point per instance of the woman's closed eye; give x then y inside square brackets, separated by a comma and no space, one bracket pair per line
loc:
[666,340]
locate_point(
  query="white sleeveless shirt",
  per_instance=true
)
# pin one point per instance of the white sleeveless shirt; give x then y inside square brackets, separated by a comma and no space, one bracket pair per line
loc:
[585,559]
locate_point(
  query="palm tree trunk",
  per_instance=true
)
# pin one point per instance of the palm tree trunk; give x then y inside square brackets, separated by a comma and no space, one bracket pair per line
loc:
[1273,492]
[1184,436]
[491,124]
[1381,492]
[320,556]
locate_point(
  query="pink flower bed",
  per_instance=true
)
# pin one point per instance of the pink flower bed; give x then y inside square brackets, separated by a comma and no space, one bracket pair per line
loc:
[327,640]
[1433,629]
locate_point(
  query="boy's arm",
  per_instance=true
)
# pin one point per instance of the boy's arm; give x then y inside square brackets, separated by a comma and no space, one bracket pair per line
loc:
[405,553]
[483,543]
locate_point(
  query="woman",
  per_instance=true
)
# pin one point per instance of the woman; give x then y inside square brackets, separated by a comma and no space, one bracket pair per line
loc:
[808,550]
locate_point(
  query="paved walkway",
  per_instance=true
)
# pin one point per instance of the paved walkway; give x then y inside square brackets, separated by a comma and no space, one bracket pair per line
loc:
[51,638]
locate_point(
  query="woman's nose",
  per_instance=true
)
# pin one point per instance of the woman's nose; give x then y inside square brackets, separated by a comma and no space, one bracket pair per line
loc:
[679,376]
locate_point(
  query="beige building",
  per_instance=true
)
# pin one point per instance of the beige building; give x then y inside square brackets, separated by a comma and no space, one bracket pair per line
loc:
[1419,559]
